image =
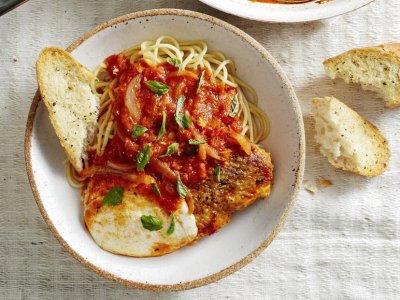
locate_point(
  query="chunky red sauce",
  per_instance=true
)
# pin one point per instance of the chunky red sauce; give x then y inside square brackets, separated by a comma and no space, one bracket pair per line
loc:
[208,110]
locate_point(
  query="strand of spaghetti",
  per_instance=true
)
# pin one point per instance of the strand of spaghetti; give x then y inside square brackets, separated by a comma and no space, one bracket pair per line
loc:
[168,37]
[71,178]
[111,94]
[102,124]
[249,89]
[164,38]
[129,51]
[249,122]
[106,136]
[187,59]
[168,46]
[262,117]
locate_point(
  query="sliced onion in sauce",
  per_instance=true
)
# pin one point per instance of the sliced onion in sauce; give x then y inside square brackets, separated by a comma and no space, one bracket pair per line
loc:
[163,169]
[205,149]
[120,167]
[212,152]
[242,141]
[131,98]
[89,172]
[139,178]
[202,151]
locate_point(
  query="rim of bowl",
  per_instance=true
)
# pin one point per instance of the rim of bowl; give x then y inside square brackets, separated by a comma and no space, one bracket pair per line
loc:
[275,17]
[298,173]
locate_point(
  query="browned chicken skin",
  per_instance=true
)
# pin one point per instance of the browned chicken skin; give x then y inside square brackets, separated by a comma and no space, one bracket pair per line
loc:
[244,179]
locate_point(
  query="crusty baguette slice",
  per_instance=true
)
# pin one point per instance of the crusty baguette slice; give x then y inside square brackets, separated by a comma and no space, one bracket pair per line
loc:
[349,141]
[375,68]
[64,85]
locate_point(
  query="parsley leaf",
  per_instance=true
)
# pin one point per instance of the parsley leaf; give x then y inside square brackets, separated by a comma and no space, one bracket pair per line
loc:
[138,131]
[170,150]
[176,62]
[217,173]
[143,157]
[180,187]
[194,142]
[234,107]
[171,227]
[157,87]
[151,223]
[113,196]
[162,129]
[156,190]
[200,82]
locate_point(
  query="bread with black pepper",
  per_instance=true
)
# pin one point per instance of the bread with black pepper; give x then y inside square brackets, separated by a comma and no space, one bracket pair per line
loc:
[375,68]
[64,85]
[349,141]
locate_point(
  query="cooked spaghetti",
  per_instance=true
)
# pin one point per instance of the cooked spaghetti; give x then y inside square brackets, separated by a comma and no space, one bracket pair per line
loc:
[188,70]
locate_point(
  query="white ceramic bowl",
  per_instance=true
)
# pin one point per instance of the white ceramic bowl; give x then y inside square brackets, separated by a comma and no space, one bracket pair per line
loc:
[249,232]
[286,13]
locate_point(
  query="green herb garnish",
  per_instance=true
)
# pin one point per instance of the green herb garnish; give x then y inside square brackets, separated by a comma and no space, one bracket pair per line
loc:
[181,119]
[138,131]
[171,227]
[170,150]
[179,104]
[157,87]
[194,142]
[200,82]
[176,62]
[217,173]
[151,223]
[113,196]
[162,129]
[180,187]
[143,157]
[234,107]
[156,190]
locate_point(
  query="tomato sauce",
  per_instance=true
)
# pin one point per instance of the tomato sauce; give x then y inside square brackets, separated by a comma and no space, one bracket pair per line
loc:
[207,107]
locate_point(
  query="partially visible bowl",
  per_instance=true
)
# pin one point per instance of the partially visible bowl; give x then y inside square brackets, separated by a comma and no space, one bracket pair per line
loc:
[286,13]
[250,231]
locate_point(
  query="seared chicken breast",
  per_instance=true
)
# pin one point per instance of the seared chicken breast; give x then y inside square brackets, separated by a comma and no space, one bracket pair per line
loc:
[243,180]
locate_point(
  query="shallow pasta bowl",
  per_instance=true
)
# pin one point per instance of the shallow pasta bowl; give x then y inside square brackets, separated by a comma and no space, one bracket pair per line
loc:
[250,231]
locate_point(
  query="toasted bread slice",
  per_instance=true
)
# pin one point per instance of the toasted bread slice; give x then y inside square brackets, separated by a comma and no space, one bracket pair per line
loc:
[64,85]
[375,68]
[349,141]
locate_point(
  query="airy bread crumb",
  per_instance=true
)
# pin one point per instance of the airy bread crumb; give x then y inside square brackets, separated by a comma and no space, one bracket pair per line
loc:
[348,140]
[375,68]
[64,85]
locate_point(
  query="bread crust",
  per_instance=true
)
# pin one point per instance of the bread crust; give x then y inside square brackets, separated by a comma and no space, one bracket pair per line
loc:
[388,50]
[382,152]
[44,64]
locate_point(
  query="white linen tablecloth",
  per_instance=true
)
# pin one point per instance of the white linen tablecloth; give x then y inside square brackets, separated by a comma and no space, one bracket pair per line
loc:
[341,243]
